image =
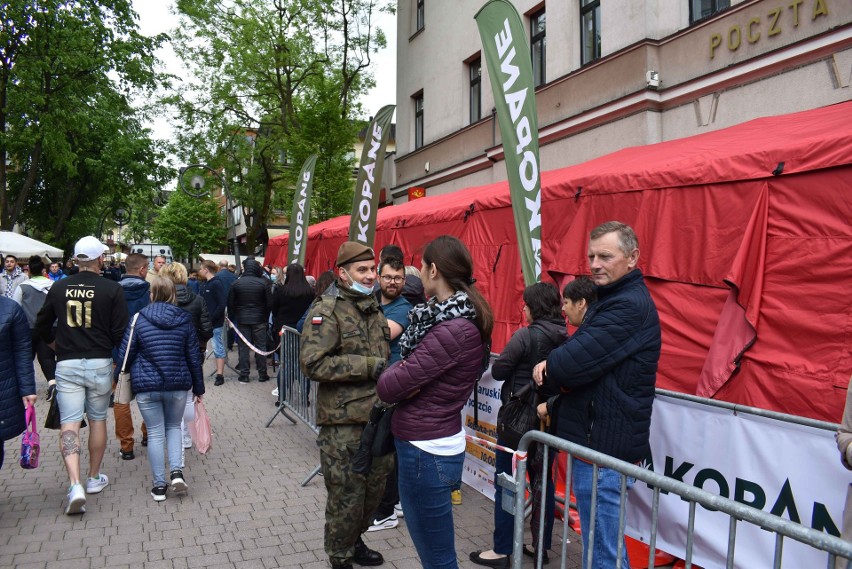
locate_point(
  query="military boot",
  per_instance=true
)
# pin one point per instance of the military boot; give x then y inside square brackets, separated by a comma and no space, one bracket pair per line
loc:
[366,556]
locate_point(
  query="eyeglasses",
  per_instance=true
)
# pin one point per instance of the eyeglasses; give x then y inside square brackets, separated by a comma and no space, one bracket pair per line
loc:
[390,279]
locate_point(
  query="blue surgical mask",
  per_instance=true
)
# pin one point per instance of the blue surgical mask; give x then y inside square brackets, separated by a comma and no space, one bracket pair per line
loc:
[358,287]
[274,277]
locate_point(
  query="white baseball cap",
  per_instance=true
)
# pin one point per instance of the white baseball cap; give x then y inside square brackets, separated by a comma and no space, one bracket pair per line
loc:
[89,248]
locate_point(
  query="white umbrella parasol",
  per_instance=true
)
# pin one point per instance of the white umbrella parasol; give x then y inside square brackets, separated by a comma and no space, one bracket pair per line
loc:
[22,246]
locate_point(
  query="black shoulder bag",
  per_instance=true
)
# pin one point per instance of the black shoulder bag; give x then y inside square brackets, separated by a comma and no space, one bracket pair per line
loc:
[518,415]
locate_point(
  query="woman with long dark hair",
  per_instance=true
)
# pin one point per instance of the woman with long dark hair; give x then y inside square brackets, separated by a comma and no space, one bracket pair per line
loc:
[527,347]
[292,299]
[444,351]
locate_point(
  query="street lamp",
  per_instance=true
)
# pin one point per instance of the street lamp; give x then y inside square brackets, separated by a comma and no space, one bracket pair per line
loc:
[195,189]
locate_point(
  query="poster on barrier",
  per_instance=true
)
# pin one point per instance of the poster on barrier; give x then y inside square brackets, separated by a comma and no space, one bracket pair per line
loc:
[478,470]
[786,469]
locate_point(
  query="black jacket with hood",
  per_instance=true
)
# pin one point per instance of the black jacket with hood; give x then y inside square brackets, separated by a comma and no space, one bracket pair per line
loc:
[250,298]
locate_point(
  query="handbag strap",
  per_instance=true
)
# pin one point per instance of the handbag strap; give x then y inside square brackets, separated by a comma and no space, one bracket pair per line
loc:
[31,419]
[129,341]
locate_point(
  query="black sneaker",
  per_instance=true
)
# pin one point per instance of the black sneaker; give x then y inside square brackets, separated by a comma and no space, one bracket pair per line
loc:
[127,455]
[243,379]
[178,483]
[144,441]
[220,379]
[263,378]
[158,493]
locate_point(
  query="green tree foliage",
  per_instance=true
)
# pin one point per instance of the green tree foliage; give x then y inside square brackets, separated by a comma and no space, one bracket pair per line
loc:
[275,81]
[190,225]
[74,142]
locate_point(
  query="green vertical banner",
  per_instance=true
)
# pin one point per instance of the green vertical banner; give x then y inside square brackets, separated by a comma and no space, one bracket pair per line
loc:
[507,56]
[301,216]
[368,185]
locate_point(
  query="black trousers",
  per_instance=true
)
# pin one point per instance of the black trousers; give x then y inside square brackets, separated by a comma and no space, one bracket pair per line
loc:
[256,334]
[46,357]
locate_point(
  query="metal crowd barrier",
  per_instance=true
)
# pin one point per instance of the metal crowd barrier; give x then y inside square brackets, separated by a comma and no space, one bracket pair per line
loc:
[294,389]
[514,503]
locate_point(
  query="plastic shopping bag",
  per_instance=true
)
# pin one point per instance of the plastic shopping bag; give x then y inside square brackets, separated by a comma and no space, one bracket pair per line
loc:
[199,430]
[30,442]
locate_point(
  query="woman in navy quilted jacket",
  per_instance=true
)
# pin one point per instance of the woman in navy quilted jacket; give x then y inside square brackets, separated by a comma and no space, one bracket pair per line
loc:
[17,377]
[164,362]
[444,351]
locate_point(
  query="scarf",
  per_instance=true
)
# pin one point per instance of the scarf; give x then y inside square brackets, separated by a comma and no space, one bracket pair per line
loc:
[424,316]
[10,280]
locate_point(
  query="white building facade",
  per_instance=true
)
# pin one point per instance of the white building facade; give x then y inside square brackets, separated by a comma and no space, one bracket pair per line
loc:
[610,74]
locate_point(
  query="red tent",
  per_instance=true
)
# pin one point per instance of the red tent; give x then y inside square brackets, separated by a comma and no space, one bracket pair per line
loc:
[745,240]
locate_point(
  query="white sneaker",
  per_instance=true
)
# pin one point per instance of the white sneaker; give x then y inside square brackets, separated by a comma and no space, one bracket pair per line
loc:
[76,500]
[398,510]
[275,392]
[187,441]
[388,523]
[96,485]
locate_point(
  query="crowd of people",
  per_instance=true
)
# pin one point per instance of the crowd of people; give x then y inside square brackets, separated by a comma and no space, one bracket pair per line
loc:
[374,332]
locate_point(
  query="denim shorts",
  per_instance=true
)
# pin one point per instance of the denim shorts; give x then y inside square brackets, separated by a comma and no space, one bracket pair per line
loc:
[218,343]
[83,385]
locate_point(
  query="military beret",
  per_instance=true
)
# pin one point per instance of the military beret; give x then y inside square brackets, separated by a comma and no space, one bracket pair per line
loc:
[352,251]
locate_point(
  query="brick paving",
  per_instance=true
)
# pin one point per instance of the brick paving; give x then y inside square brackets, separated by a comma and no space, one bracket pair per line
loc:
[245,507]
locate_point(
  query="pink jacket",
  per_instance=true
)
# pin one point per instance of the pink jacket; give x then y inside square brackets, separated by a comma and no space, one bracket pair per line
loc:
[435,382]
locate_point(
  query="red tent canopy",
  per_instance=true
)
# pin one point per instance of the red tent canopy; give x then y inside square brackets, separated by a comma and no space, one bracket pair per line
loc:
[745,240]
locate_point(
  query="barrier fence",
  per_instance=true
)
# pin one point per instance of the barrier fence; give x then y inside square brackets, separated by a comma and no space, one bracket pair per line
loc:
[514,503]
[296,402]
[294,389]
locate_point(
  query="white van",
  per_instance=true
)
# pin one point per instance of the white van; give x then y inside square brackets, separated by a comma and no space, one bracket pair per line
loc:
[152,250]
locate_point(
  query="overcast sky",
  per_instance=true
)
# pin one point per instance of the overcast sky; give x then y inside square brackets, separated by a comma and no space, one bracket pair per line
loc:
[155,17]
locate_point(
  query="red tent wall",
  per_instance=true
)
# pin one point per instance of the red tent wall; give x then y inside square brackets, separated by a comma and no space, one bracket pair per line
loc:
[747,260]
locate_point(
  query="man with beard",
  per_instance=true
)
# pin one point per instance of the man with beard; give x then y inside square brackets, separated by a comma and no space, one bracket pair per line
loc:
[395,307]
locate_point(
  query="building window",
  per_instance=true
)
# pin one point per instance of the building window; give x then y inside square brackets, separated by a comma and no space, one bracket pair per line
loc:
[590,30]
[700,9]
[475,70]
[421,15]
[538,46]
[418,120]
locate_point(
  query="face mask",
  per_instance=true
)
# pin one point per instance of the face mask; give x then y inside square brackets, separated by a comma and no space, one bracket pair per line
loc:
[358,287]
[274,277]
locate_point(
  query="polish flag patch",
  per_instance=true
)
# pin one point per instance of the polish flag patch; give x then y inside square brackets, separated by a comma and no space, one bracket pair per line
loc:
[316,320]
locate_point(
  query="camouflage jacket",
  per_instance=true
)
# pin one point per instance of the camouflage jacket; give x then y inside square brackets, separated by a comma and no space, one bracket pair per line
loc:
[342,330]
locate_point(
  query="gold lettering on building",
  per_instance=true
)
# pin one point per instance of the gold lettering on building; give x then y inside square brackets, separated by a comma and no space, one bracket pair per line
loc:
[774,23]
[734,38]
[752,24]
[774,28]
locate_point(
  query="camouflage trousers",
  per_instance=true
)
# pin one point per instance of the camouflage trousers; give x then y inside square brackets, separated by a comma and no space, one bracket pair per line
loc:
[352,498]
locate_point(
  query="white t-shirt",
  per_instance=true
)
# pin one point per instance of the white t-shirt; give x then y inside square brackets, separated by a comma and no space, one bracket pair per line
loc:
[445,446]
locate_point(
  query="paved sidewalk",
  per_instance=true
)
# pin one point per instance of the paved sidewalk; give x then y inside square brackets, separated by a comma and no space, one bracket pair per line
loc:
[244,509]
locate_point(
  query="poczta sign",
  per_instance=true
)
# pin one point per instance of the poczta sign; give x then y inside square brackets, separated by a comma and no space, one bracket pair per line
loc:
[772,24]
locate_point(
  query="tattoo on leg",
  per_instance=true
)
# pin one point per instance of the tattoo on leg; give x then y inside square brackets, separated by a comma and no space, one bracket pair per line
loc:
[69,443]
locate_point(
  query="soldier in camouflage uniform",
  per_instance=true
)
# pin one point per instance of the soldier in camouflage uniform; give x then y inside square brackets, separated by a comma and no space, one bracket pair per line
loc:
[344,349]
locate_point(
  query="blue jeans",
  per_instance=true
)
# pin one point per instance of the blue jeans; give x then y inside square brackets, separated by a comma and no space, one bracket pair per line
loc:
[425,483]
[163,412]
[83,385]
[607,535]
[504,522]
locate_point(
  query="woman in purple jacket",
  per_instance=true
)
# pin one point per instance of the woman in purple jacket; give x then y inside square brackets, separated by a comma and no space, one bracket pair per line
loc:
[444,351]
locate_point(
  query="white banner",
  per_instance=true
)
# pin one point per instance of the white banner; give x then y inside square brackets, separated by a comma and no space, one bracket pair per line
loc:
[789,470]
[782,468]
[479,464]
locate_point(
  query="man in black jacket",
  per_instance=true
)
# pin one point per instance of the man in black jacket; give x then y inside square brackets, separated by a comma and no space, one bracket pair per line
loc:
[216,297]
[249,302]
[610,367]
[91,316]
